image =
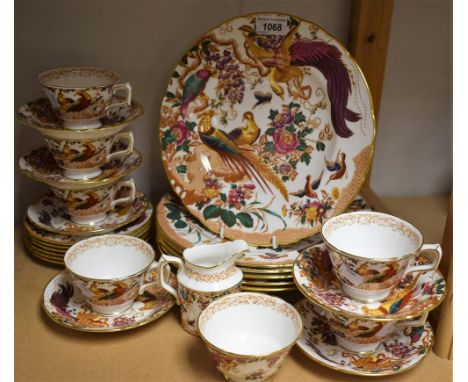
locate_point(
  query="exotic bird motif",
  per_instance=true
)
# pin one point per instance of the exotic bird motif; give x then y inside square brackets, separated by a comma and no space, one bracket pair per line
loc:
[73,155]
[248,134]
[414,333]
[374,276]
[393,306]
[193,87]
[71,105]
[238,159]
[338,167]
[61,297]
[284,64]
[363,331]
[261,98]
[309,188]
[109,294]
[90,200]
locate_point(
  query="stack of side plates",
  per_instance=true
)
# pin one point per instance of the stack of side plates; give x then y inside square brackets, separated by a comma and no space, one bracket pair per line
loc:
[51,246]
[265,269]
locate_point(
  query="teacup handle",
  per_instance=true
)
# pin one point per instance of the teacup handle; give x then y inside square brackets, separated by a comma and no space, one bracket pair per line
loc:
[125,136]
[418,321]
[165,260]
[128,98]
[153,265]
[126,199]
[435,251]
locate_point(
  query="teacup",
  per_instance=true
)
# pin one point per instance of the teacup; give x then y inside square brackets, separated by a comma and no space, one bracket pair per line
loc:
[109,270]
[249,335]
[363,335]
[372,251]
[91,206]
[82,95]
[82,159]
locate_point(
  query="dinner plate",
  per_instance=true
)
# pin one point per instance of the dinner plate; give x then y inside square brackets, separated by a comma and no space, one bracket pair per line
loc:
[265,136]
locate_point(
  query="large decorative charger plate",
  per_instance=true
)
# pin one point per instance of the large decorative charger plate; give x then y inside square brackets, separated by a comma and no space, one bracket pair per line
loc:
[416,294]
[266,136]
[38,164]
[49,214]
[401,351]
[65,305]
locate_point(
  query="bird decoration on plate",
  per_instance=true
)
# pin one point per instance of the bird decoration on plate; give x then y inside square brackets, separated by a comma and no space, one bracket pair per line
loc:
[262,98]
[310,187]
[285,60]
[248,134]
[338,167]
[238,159]
[194,86]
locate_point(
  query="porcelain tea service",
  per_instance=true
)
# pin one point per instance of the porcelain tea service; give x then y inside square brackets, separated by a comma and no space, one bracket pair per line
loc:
[371,252]
[205,273]
[83,159]
[109,270]
[82,95]
[91,206]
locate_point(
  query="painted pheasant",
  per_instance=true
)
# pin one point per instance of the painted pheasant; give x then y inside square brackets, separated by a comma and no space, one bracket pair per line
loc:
[238,159]
[284,64]
[248,134]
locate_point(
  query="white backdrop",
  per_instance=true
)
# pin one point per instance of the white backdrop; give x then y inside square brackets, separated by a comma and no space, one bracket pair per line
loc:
[143,40]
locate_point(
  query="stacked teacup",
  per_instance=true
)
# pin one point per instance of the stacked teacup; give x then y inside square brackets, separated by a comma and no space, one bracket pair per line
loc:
[371,284]
[86,158]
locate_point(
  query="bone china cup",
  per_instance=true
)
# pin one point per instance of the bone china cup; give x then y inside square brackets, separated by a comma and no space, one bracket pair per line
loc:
[82,95]
[372,251]
[361,335]
[91,206]
[82,159]
[109,270]
[249,335]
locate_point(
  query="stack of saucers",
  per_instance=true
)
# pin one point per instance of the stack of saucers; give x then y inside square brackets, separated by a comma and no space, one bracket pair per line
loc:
[85,162]
[264,269]
[368,290]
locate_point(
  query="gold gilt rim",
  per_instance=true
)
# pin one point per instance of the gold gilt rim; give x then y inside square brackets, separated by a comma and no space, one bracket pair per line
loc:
[69,184]
[254,276]
[377,260]
[266,289]
[364,374]
[251,356]
[328,308]
[96,231]
[153,318]
[268,284]
[344,51]
[267,271]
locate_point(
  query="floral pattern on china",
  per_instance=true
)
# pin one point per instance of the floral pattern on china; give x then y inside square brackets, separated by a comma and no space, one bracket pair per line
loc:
[264,137]
[401,351]
[414,295]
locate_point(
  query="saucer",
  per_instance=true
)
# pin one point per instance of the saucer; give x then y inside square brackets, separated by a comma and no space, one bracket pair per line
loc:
[401,351]
[416,294]
[39,115]
[137,227]
[38,164]
[65,305]
[49,214]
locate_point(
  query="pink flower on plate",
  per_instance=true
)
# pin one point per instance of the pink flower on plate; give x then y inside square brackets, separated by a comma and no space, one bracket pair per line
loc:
[180,131]
[285,141]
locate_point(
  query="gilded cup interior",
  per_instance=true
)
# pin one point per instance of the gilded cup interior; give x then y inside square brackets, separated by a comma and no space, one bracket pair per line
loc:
[78,77]
[109,257]
[371,235]
[250,324]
